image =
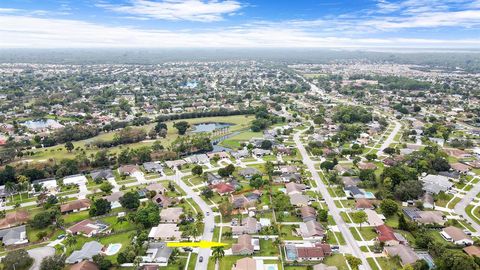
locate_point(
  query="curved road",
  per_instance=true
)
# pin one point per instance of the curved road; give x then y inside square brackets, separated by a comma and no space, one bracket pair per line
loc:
[333,210]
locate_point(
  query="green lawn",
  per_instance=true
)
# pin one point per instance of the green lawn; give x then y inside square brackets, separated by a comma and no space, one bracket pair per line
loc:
[368,233]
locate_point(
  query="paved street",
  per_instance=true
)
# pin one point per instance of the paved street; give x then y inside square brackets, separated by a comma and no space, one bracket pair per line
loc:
[390,138]
[208,220]
[460,207]
[333,210]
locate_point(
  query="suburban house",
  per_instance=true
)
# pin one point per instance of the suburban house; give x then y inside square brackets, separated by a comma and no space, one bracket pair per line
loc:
[87,228]
[223,188]
[428,201]
[250,225]
[362,204]
[457,236]
[245,200]
[78,179]
[240,154]
[84,265]
[309,253]
[246,264]
[157,187]
[128,169]
[308,213]
[299,199]
[75,206]
[435,183]
[350,181]
[165,231]
[87,252]
[354,192]
[175,163]
[221,155]
[153,167]
[105,174]
[157,252]
[373,218]
[311,230]
[14,236]
[249,172]
[244,246]
[14,218]
[405,253]
[387,236]
[424,217]
[163,201]
[48,184]
[366,166]
[213,179]
[294,188]
[472,250]
[198,159]
[460,167]
[171,215]
[114,199]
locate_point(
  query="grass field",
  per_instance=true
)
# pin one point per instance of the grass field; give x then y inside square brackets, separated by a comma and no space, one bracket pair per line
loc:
[240,122]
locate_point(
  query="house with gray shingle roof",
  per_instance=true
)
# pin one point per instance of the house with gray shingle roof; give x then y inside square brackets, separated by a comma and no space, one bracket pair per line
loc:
[87,252]
[14,236]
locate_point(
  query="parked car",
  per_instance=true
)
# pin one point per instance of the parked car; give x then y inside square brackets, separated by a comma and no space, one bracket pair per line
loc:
[200,259]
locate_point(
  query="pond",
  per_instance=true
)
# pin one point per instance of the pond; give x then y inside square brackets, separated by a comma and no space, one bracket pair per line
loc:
[42,124]
[209,127]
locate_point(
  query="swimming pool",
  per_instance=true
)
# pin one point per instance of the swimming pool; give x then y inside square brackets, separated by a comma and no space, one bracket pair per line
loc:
[369,195]
[290,253]
[270,267]
[112,249]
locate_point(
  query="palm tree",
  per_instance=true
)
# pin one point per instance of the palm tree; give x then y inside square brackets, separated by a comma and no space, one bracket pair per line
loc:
[71,240]
[10,188]
[218,253]
[174,256]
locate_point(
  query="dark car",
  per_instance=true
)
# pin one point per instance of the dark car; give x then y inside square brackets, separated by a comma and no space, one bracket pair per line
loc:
[200,259]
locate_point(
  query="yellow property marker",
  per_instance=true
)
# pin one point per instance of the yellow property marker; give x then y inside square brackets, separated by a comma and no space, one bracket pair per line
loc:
[201,244]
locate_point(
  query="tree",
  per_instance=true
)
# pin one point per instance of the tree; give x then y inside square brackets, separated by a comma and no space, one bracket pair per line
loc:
[71,240]
[55,262]
[100,207]
[455,260]
[69,146]
[42,220]
[256,181]
[354,262]
[197,170]
[389,151]
[367,175]
[182,127]
[408,190]
[102,262]
[23,184]
[389,207]
[148,216]
[323,215]
[17,260]
[218,253]
[207,193]
[266,144]
[173,256]
[371,156]
[130,200]
[160,126]
[106,187]
[327,165]
[359,217]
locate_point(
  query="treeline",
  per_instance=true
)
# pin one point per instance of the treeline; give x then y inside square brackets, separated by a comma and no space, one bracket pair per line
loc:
[402,83]
[164,118]
[264,119]
[124,136]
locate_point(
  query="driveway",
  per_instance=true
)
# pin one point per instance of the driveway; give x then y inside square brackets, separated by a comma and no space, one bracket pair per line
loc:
[38,254]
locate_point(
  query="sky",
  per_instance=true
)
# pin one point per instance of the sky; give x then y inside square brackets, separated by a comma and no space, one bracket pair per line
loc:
[240,23]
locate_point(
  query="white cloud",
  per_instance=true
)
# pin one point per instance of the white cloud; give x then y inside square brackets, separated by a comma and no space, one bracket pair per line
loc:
[176,10]
[31,32]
